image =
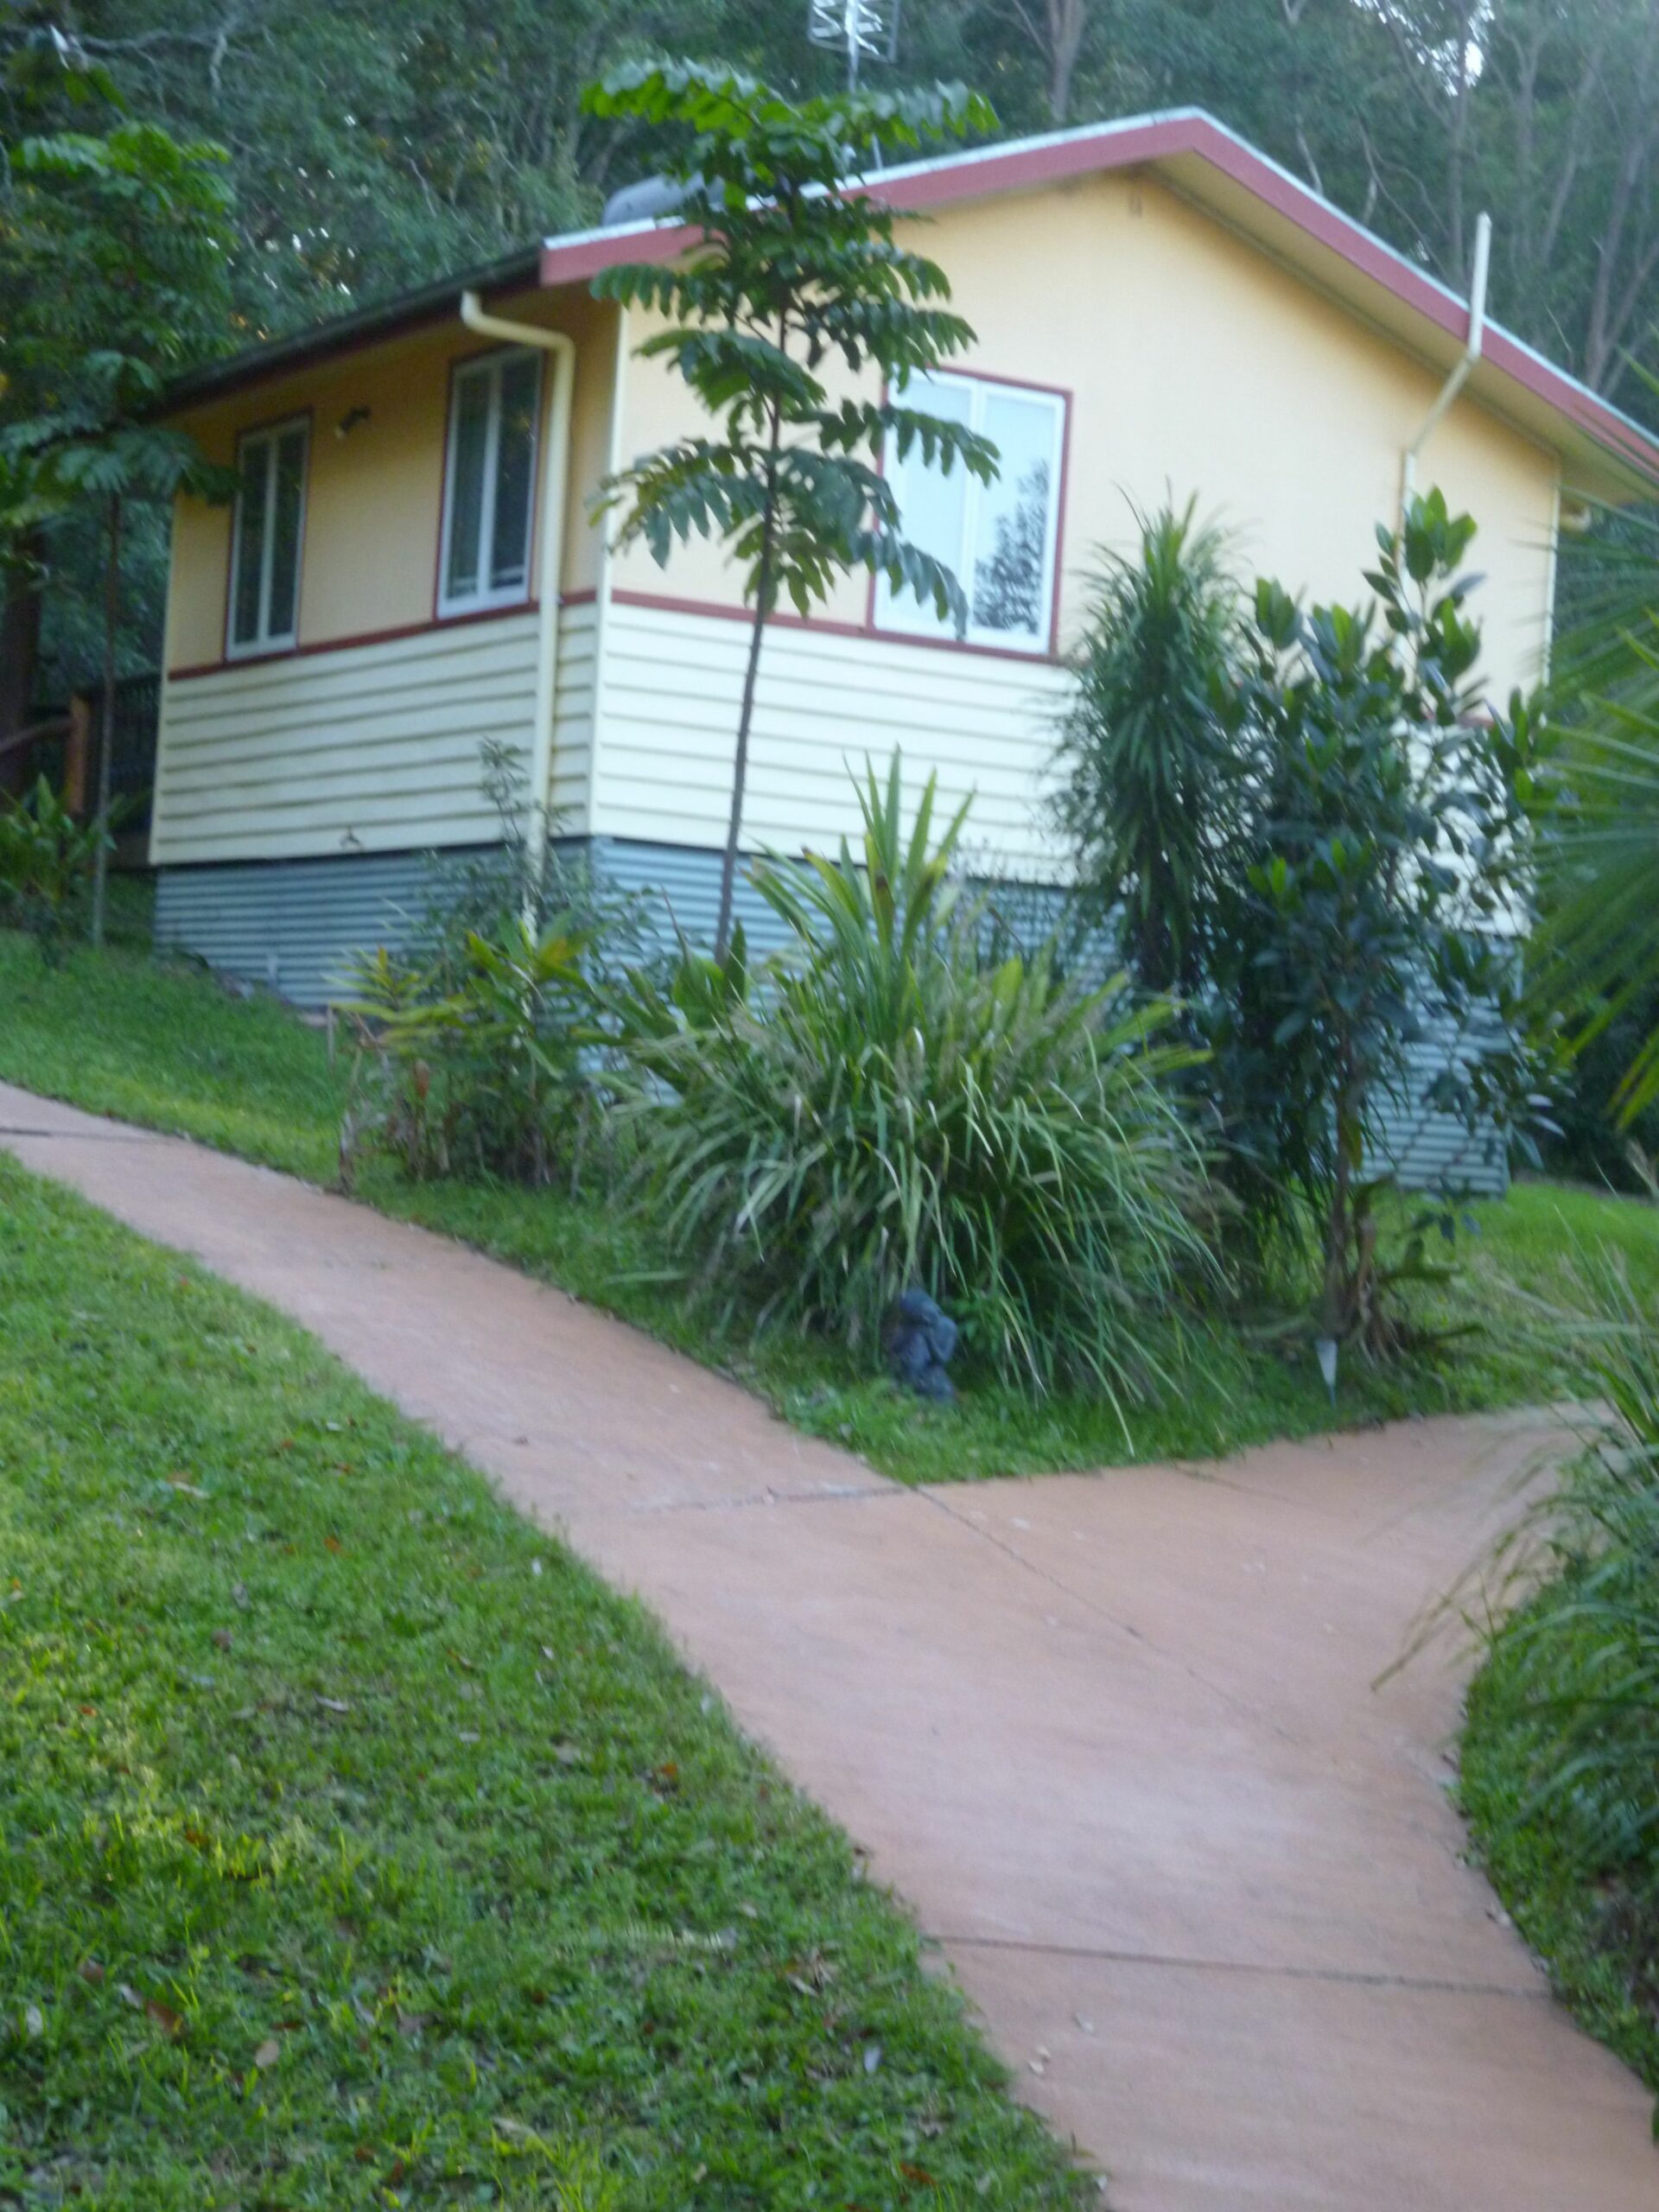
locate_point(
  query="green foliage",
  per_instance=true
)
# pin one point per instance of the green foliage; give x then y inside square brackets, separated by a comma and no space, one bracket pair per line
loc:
[1561,1763]
[432,1876]
[1154,795]
[879,1109]
[46,860]
[479,1064]
[1322,825]
[796,266]
[1595,953]
[1390,866]
[112,257]
[169,1048]
[477,1052]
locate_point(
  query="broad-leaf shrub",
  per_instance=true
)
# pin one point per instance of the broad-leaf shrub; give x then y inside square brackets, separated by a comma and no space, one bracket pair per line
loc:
[1325,841]
[879,1107]
[46,860]
[485,1069]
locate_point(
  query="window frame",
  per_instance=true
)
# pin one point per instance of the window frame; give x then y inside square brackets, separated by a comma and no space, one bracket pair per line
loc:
[901,614]
[448,605]
[271,436]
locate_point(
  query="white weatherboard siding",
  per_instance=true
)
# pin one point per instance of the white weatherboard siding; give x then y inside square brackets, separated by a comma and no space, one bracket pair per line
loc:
[369,748]
[824,704]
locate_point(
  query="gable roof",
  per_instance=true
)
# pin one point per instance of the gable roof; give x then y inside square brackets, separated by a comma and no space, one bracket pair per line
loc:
[1197,157]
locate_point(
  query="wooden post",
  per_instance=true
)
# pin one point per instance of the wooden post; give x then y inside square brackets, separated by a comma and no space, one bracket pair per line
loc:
[76,755]
[106,750]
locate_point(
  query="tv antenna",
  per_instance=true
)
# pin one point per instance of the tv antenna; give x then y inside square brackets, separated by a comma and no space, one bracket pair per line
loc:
[865,30]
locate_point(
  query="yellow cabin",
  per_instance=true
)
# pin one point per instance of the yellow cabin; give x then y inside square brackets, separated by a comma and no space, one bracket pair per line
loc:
[412,569]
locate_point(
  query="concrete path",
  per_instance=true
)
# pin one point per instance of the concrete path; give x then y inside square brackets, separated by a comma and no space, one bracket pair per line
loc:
[1115,1739]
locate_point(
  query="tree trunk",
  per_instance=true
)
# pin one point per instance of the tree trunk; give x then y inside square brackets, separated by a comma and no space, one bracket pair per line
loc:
[20,648]
[745,712]
[106,749]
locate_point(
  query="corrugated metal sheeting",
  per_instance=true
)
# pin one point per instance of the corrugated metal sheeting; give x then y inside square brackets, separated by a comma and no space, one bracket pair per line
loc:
[292,925]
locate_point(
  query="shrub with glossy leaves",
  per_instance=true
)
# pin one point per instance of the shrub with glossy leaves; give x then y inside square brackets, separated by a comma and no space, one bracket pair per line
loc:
[879,1107]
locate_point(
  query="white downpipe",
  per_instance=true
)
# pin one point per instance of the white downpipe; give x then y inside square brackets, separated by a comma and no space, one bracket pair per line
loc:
[1459,375]
[607,569]
[550,561]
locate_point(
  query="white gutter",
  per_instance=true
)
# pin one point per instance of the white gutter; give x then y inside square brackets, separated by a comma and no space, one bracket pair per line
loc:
[1459,375]
[551,554]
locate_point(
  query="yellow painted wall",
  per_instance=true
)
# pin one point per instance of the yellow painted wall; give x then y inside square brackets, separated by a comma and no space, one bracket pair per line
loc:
[1196,365]
[374,499]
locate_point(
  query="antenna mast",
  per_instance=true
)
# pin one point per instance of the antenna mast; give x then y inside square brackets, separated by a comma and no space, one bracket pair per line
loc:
[865,30]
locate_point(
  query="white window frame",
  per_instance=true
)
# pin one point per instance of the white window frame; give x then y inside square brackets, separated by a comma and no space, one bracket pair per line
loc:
[264,640]
[491,367]
[901,613]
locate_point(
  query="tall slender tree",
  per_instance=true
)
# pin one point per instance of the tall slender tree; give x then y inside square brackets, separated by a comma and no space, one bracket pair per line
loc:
[795,263]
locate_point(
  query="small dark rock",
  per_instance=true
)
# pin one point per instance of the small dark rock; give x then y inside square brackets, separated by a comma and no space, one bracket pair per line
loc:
[920,1340]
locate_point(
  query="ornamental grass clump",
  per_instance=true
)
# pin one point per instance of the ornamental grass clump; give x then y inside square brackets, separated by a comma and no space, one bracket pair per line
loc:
[880,1106]
[1566,1710]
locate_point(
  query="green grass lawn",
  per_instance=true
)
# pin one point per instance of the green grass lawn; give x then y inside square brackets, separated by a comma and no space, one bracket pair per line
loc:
[1596,1939]
[170,1048]
[359,1848]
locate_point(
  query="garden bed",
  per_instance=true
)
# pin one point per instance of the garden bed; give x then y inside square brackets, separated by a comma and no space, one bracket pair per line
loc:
[167,1048]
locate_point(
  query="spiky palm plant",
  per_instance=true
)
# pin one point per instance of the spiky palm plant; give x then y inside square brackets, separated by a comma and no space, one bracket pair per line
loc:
[1597,951]
[883,1109]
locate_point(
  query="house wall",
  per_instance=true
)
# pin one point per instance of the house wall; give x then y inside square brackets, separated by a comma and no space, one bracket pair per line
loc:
[367,737]
[1194,363]
[1195,366]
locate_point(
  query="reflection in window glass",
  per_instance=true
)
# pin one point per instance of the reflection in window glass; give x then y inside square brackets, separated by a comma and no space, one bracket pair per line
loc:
[514,477]
[250,541]
[285,532]
[1011,541]
[998,539]
[469,446]
[490,490]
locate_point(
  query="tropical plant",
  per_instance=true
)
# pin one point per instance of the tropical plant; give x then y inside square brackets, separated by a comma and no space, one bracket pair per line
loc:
[1595,955]
[1567,1706]
[112,262]
[1388,880]
[486,1072]
[1308,822]
[876,1108]
[1154,784]
[795,264]
[46,864]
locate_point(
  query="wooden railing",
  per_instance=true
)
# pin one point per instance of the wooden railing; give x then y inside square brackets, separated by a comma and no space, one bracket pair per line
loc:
[64,746]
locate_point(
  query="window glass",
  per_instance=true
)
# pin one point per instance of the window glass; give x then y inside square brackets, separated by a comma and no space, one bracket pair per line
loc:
[469,452]
[250,541]
[266,535]
[285,532]
[998,539]
[932,504]
[1011,543]
[490,490]
[515,473]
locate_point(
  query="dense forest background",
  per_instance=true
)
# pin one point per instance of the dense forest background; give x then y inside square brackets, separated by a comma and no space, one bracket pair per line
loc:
[377,144]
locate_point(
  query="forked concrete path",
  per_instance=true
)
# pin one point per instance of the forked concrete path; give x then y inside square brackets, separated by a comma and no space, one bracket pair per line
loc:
[1115,1739]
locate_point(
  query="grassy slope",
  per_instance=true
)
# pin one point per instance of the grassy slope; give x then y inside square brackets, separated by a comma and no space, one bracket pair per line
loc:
[170,1049]
[358,1847]
[1591,1941]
